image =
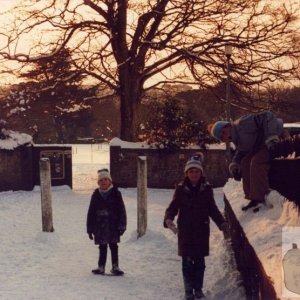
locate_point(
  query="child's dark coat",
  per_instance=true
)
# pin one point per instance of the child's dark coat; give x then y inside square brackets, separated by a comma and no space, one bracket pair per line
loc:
[106,218]
[194,207]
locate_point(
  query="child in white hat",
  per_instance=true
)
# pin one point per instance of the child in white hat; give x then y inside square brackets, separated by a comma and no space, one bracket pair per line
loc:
[106,221]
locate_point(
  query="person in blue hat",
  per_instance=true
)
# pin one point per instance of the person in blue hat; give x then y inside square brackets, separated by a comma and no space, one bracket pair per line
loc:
[255,136]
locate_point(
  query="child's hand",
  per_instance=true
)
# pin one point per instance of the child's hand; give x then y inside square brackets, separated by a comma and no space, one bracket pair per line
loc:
[226,231]
[171,226]
[122,230]
[91,236]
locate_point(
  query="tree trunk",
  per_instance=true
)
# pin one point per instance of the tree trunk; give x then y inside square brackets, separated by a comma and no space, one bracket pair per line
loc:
[130,92]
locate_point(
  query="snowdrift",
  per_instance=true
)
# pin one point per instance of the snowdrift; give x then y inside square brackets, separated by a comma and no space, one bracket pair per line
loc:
[266,231]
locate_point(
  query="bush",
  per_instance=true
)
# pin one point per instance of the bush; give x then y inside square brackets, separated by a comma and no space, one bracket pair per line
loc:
[171,127]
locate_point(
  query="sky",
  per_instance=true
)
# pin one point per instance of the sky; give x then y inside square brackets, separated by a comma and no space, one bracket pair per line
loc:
[5,5]
[57,266]
[168,73]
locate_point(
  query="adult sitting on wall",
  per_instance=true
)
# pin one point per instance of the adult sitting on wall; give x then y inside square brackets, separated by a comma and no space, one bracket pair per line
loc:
[255,137]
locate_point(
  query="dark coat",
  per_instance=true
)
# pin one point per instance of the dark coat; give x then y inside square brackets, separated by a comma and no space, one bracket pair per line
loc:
[194,206]
[106,218]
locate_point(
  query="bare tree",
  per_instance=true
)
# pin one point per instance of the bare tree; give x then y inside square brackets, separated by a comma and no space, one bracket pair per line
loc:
[123,44]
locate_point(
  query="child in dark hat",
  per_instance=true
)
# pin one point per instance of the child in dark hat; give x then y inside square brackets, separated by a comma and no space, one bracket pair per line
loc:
[106,221]
[193,203]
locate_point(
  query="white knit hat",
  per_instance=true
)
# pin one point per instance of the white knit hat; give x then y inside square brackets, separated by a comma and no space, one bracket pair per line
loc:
[194,162]
[104,173]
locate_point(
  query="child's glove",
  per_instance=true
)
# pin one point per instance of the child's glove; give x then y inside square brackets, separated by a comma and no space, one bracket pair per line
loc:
[171,226]
[90,236]
[225,228]
[235,171]
[271,143]
[122,230]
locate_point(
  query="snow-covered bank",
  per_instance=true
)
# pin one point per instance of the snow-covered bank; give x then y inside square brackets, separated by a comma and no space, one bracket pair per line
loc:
[266,231]
[57,266]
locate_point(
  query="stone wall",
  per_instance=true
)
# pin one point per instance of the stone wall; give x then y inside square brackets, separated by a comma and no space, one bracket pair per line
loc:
[257,283]
[284,177]
[19,168]
[16,169]
[164,169]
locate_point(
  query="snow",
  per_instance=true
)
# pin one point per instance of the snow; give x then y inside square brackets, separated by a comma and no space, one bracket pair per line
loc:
[74,108]
[57,266]
[117,142]
[14,139]
[293,125]
[130,145]
[268,231]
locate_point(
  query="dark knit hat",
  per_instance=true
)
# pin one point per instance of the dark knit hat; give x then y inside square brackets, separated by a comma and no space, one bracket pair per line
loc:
[194,162]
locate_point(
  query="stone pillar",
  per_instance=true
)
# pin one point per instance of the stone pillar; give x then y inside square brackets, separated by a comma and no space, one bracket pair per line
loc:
[141,195]
[46,196]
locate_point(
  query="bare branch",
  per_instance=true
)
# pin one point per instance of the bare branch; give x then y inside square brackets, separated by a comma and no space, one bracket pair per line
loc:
[124,44]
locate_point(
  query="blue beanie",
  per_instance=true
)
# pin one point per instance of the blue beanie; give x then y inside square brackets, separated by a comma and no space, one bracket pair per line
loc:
[216,129]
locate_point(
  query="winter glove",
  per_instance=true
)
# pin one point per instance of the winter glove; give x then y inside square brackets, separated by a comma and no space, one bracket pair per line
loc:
[171,226]
[225,228]
[122,230]
[90,236]
[271,143]
[235,171]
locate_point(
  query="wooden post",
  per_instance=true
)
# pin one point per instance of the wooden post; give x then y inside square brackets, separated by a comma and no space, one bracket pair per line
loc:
[141,195]
[46,197]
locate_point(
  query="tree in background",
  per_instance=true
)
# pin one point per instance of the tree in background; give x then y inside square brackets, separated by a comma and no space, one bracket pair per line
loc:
[123,44]
[52,86]
[170,126]
[56,79]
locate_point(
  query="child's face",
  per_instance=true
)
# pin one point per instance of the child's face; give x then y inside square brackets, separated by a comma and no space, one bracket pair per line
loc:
[104,183]
[194,175]
[226,134]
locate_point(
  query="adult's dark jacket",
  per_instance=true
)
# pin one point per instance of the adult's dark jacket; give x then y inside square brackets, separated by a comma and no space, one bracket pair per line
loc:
[106,218]
[194,206]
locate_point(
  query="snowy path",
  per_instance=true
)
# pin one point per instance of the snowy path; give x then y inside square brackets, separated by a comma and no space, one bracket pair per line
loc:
[57,266]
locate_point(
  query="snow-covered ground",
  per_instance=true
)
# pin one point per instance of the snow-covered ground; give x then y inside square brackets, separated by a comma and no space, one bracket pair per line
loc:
[271,232]
[57,266]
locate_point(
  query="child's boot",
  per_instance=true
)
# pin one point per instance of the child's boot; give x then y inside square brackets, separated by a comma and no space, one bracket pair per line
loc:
[101,261]
[199,294]
[99,271]
[115,260]
[116,270]
[189,295]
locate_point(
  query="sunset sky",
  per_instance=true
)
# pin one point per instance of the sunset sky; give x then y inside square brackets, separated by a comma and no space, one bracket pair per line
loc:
[5,5]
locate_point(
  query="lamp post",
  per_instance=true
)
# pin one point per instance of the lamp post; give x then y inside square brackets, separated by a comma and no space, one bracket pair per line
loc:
[228,53]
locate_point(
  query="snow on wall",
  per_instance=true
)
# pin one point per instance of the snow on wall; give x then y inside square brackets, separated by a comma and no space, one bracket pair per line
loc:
[14,139]
[143,145]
